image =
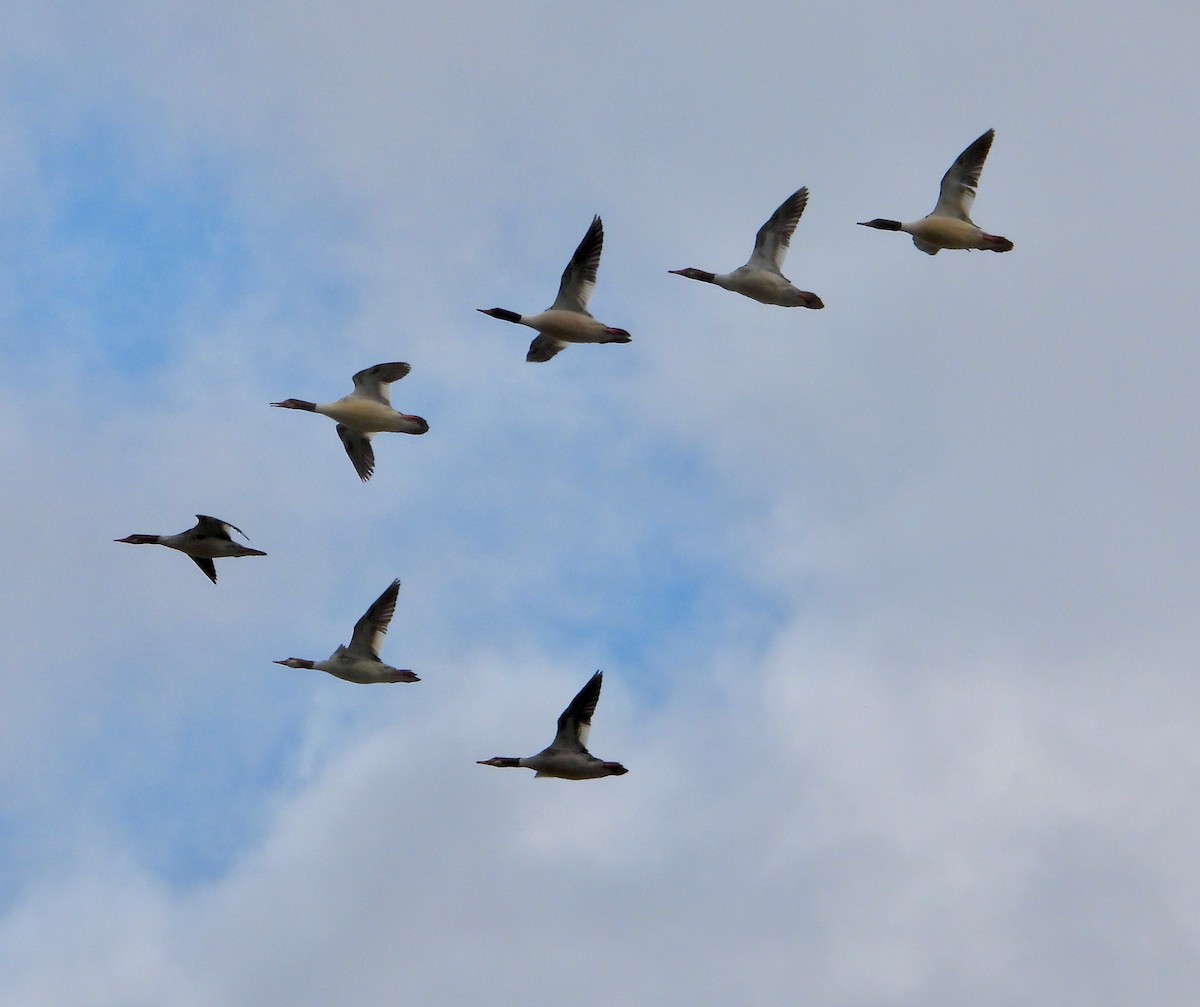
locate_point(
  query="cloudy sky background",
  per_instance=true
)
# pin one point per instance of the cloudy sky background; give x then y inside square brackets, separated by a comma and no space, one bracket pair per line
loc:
[896,602]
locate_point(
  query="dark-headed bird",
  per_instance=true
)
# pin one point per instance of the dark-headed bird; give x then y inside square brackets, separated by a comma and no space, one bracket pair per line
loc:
[762,279]
[365,411]
[950,225]
[567,758]
[208,540]
[567,319]
[359,662]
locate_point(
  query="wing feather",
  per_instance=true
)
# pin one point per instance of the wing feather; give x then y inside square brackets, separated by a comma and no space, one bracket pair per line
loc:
[960,181]
[372,382]
[575,722]
[579,278]
[358,447]
[370,630]
[205,564]
[217,528]
[775,236]
[543,348]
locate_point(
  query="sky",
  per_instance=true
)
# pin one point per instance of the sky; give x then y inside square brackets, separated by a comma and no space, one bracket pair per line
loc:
[895,601]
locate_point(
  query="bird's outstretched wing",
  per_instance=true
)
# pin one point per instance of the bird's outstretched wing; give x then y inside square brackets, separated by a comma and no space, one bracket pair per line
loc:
[575,723]
[372,382]
[370,630]
[214,527]
[543,348]
[579,278]
[207,565]
[358,447]
[959,183]
[774,237]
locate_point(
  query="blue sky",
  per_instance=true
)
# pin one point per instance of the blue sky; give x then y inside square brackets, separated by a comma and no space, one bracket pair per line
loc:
[127,255]
[895,601]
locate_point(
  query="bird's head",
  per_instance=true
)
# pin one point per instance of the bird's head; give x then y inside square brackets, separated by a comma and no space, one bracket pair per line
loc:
[880,224]
[501,313]
[693,274]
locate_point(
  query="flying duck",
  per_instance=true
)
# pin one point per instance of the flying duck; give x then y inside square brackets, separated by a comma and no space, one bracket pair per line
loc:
[949,225]
[566,758]
[567,319]
[359,662]
[365,411]
[761,279]
[208,540]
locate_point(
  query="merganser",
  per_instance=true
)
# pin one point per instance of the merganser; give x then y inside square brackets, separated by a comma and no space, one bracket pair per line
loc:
[566,758]
[359,662]
[208,540]
[365,411]
[761,278]
[567,319]
[949,225]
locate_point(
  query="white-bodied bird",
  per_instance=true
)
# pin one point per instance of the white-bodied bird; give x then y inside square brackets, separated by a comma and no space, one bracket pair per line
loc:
[365,411]
[950,224]
[567,320]
[359,662]
[209,539]
[762,279]
[567,758]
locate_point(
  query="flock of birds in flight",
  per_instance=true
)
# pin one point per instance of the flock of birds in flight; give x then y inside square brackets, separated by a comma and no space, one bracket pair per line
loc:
[368,410]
